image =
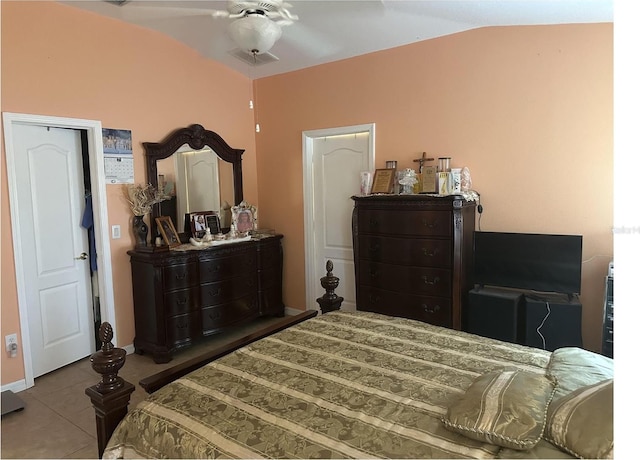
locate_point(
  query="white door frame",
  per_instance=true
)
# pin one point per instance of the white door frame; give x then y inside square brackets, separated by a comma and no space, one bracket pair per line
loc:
[100,220]
[312,277]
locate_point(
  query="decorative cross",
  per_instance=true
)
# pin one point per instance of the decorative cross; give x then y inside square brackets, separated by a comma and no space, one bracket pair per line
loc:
[422,160]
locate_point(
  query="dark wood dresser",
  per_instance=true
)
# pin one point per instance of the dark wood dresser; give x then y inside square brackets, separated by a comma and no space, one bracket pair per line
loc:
[414,256]
[182,296]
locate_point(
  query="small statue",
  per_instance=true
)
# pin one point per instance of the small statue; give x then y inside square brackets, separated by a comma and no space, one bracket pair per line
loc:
[408,180]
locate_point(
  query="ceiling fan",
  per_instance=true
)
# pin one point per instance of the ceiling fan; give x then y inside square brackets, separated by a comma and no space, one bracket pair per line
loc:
[257,24]
[256,27]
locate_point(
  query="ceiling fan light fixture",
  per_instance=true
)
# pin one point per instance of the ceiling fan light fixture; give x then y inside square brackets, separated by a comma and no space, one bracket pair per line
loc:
[255,33]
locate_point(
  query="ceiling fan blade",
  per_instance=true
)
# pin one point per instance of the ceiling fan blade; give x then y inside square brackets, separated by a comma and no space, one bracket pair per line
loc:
[140,12]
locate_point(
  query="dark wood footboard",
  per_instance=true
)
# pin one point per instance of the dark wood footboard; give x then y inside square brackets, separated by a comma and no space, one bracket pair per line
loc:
[157,381]
[110,397]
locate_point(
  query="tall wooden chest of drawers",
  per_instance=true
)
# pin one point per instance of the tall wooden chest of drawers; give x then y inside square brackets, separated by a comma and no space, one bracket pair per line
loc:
[182,296]
[413,256]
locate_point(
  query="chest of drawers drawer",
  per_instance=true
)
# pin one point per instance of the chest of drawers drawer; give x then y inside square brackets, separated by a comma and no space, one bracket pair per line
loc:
[179,276]
[184,328]
[422,252]
[227,267]
[180,301]
[227,289]
[433,310]
[416,280]
[226,314]
[403,223]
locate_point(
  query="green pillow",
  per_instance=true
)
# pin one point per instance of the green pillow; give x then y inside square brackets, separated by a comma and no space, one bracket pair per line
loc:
[581,422]
[507,408]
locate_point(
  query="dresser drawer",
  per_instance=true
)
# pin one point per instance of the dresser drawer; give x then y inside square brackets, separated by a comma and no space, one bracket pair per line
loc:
[269,255]
[180,302]
[416,280]
[433,310]
[220,316]
[269,277]
[179,276]
[182,329]
[433,223]
[223,291]
[404,251]
[227,267]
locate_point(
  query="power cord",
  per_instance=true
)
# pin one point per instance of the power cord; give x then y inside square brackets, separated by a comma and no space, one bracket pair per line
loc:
[479,213]
[544,343]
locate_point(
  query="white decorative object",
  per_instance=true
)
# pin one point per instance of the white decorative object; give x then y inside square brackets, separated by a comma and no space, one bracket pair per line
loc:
[408,180]
[465,180]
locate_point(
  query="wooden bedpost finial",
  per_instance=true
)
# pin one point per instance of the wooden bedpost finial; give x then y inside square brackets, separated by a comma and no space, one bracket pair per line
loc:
[329,301]
[108,361]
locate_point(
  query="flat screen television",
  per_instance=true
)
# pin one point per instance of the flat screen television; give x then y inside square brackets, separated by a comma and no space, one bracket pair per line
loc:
[531,261]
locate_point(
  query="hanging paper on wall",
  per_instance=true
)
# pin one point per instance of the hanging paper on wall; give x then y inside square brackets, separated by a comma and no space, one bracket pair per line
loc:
[118,156]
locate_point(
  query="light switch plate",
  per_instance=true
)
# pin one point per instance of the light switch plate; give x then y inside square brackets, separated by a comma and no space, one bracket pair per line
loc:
[115,232]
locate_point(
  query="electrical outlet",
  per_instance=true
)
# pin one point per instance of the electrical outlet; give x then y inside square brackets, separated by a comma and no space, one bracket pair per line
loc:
[11,344]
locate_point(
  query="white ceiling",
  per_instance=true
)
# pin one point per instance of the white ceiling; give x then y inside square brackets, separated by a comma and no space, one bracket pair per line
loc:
[332,30]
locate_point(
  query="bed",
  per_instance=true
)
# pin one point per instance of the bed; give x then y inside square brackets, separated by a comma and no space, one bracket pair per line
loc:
[364,385]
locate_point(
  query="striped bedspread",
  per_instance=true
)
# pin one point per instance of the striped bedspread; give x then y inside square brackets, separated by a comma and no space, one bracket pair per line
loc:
[341,385]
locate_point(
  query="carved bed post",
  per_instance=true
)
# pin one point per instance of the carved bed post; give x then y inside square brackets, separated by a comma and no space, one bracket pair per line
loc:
[330,301]
[110,397]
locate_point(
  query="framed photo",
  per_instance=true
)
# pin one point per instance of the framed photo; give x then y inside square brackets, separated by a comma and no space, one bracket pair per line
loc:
[383,180]
[168,230]
[244,218]
[213,222]
[199,221]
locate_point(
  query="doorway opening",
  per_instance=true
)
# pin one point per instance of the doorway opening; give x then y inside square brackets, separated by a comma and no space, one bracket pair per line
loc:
[332,162]
[92,135]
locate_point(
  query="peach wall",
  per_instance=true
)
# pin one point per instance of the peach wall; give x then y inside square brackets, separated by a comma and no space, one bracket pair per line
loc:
[61,61]
[528,109]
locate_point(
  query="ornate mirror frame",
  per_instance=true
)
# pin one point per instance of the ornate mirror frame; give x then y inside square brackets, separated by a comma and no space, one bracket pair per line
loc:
[197,138]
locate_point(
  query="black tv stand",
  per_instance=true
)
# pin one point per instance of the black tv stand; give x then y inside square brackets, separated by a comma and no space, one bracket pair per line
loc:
[542,320]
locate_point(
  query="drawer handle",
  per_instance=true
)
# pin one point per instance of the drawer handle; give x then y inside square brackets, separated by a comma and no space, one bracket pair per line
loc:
[214,316]
[214,294]
[374,248]
[430,309]
[373,300]
[373,223]
[181,276]
[429,224]
[430,282]
[373,274]
[429,253]
[215,268]
[182,325]
[181,302]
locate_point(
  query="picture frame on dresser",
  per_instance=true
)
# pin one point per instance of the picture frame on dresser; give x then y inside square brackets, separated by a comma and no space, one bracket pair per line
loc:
[383,180]
[200,220]
[244,218]
[168,231]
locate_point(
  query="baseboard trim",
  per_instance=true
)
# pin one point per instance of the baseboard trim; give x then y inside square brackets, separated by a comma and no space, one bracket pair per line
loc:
[16,387]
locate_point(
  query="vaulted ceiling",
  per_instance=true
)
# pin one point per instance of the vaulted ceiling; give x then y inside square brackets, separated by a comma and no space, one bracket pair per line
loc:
[333,30]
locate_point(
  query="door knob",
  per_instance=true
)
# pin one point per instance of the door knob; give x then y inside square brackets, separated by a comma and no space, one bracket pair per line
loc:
[82,256]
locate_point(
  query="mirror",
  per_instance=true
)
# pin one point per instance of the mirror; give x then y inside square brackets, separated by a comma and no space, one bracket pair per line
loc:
[205,171]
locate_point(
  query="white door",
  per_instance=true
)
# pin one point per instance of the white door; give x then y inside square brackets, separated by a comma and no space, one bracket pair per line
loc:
[334,160]
[50,206]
